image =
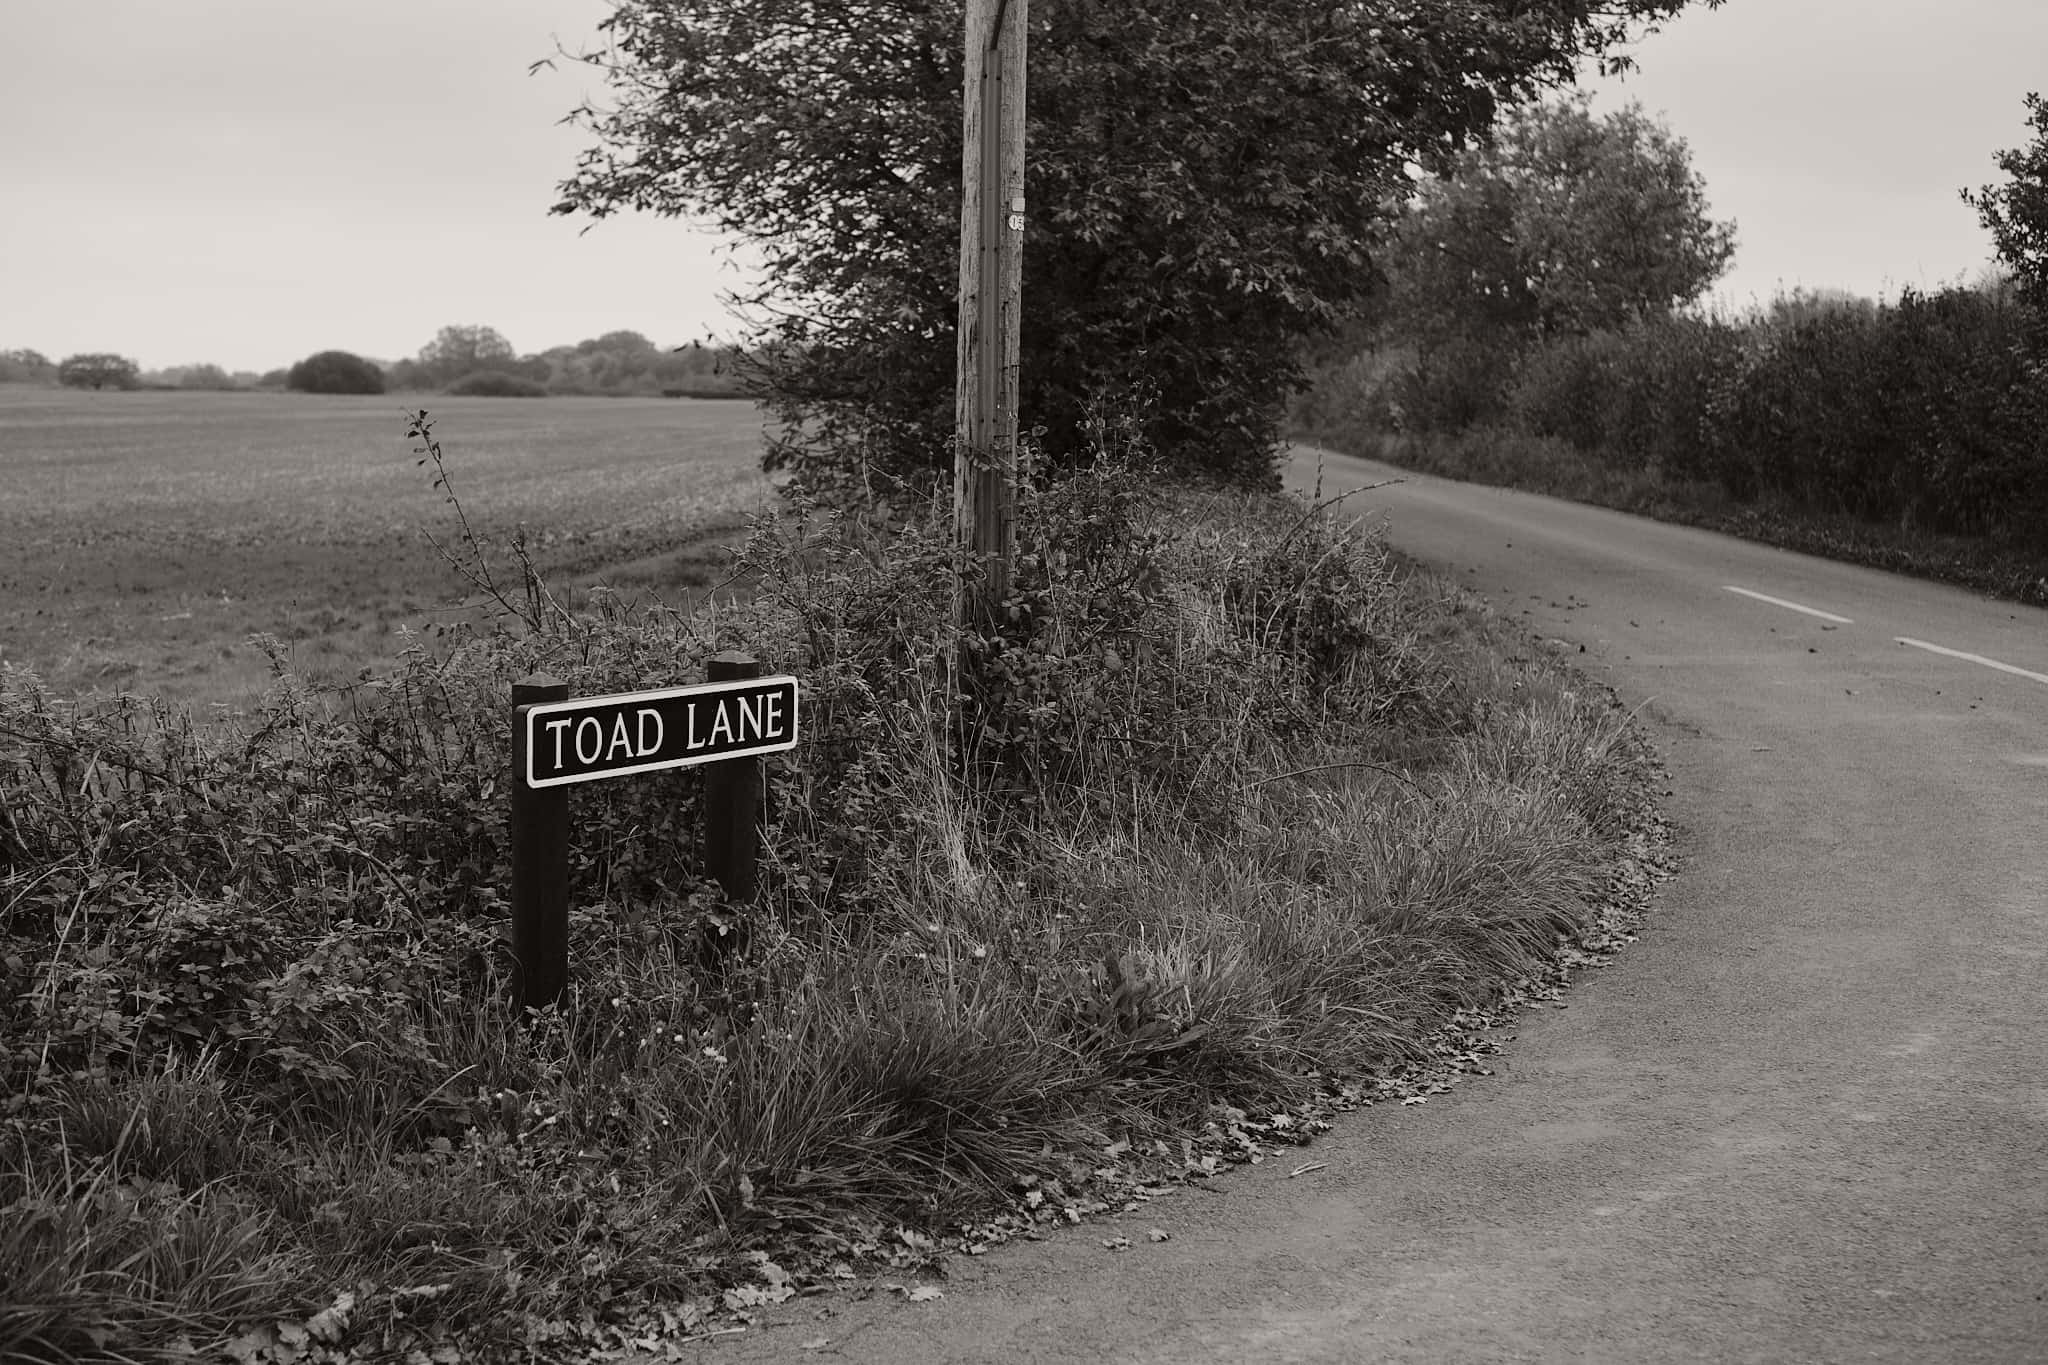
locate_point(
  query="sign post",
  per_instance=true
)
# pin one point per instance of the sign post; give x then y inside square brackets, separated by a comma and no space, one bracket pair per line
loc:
[732,798]
[727,723]
[540,861]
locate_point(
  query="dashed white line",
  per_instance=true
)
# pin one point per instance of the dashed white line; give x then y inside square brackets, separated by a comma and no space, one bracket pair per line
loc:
[1973,658]
[1789,606]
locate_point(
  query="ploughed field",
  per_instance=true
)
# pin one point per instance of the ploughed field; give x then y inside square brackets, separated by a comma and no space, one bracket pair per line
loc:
[145,538]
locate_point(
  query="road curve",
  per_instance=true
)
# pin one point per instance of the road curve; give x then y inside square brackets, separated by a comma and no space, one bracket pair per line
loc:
[1803,1119]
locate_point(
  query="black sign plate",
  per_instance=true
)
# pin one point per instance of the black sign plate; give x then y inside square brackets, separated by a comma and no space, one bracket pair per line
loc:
[644,732]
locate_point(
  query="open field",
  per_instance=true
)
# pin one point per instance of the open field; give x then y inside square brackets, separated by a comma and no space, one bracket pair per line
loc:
[145,537]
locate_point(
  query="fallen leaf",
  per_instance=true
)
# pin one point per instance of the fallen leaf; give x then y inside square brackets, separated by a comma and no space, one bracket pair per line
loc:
[925,1293]
[1159,1234]
[1117,1243]
[814,1344]
[332,1321]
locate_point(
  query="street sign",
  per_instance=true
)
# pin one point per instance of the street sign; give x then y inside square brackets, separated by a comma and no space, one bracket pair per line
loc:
[589,738]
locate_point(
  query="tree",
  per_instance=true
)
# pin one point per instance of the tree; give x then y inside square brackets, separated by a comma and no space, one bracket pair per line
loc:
[205,377]
[406,375]
[26,366]
[617,362]
[1203,178]
[335,372]
[1564,224]
[2016,213]
[457,351]
[625,343]
[97,369]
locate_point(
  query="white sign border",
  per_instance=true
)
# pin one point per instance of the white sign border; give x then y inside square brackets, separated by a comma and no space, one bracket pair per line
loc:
[549,708]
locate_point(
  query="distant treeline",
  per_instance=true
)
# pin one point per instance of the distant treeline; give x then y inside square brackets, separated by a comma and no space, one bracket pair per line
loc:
[1930,412]
[472,360]
[479,360]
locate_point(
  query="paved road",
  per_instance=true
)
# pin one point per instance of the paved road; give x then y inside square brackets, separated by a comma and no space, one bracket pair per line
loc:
[1803,1119]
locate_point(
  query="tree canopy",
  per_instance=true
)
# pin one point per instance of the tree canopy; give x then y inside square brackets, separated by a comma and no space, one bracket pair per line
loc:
[1204,182]
[335,372]
[458,350]
[2016,213]
[1564,224]
[26,365]
[205,376]
[98,369]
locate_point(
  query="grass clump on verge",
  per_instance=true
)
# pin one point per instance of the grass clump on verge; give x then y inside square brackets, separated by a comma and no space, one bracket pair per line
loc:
[1241,811]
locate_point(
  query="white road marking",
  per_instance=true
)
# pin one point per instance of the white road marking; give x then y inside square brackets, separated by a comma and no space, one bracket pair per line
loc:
[1973,658]
[1790,606]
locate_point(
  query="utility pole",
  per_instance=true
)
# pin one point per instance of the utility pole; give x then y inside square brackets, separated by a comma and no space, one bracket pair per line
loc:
[991,288]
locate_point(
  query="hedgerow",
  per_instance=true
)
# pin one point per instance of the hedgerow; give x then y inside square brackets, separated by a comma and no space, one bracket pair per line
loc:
[1930,412]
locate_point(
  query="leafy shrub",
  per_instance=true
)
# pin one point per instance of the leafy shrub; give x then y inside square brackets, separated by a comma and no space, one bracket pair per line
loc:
[1563,389]
[1361,388]
[1685,363]
[496,384]
[1971,452]
[1923,412]
[335,372]
[1456,383]
[1638,398]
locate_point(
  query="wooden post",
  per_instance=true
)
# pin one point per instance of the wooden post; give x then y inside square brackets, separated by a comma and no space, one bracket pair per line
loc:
[732,800]
[540,863]
[991,289]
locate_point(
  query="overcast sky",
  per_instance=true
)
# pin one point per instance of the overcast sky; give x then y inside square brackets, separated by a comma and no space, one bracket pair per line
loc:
[248,181]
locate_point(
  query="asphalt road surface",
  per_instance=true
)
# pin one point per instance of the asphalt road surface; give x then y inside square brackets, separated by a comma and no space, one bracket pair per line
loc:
[1804,1118]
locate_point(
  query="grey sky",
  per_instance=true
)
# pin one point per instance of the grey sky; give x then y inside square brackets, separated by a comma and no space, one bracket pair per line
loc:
[1837,132]
[248,181]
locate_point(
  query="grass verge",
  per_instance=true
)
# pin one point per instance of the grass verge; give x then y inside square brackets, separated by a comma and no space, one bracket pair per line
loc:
[1540,464]
[1249,823]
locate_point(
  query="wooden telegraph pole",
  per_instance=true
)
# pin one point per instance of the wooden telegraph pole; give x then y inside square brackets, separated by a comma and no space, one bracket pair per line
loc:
[991,287]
